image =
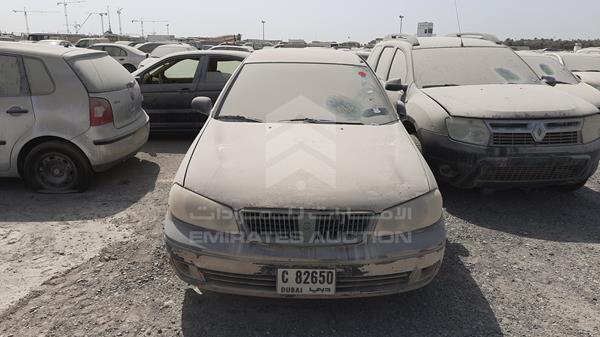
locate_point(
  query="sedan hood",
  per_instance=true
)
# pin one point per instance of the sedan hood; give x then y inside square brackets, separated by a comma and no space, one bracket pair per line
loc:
[591,78]
[306,166]
[583,91]
[504,101]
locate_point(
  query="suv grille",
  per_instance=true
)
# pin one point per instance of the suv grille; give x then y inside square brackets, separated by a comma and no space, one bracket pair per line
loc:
[306,225]
[531,133]
[531,173]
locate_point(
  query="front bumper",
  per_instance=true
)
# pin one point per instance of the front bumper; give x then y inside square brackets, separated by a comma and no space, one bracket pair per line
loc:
[469,166]
[362,270]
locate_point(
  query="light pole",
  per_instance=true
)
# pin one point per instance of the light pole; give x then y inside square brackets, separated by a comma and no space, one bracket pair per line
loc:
[401,22]
[263,27]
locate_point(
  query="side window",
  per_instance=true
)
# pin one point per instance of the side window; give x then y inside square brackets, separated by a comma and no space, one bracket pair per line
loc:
[115,51]
[40,82]
[180,71]
[374,57]
[220,70]
[383,66]
[97,48]
[11,82]
[399,67]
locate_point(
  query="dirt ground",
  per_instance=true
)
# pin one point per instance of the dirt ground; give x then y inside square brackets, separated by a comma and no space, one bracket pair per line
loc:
[518,263]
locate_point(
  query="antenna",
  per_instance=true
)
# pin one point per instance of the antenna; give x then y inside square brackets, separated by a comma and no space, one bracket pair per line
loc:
[26,14]
[458,22]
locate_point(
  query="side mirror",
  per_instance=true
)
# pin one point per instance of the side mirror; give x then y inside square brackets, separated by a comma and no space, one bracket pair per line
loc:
[395,85]
[549,80]
[138,79]
[202,105]
[401,110]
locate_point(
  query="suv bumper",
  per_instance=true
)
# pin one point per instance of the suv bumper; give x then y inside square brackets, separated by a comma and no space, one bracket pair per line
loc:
[362,270]
[469,166]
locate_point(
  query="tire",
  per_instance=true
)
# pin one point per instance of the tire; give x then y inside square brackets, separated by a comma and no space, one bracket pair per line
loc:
[417,142]
[57,167]
[130,68]
[571,187]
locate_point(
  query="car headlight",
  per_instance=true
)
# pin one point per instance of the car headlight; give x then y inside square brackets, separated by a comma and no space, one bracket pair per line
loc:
[591,128]
[466,130]
[413,215]
[197,210]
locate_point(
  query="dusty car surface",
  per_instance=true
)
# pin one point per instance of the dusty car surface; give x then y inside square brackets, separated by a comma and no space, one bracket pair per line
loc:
[483,118]
[164,50]
[60,43]
[246,216]
[170,84]
[90,41]
[545,65]
[62,119]
[127,56]
[586,66]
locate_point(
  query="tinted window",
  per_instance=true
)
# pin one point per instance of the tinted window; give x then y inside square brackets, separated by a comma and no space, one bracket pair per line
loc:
[40,82]
[398,69]
[220,70]
[276,92]
[173,72]
[10,80]
[101,73]
[383,66]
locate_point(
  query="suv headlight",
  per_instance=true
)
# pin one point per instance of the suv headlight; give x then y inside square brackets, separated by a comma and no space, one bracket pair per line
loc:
[197,210]
[413,215]
[466,130]
[591,128]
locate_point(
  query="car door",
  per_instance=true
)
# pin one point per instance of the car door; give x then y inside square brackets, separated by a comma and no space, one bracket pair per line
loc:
[16,109]
[169,87]
[117,53]
[217,71]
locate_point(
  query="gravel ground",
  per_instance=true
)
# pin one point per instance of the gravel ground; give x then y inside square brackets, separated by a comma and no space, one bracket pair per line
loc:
[518,263]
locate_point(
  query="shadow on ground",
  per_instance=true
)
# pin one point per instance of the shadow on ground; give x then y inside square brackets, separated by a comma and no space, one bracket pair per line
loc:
[111,192]
[452,305]
[544,214]
[169,144]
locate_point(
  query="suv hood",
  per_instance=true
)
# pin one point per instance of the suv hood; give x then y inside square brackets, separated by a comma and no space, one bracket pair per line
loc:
[509,101]
[307,166]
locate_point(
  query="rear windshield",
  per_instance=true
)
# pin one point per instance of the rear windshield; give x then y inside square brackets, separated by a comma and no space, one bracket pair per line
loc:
[101,74]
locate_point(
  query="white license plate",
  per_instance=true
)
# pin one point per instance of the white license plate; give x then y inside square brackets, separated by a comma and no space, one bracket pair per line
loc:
[305,282]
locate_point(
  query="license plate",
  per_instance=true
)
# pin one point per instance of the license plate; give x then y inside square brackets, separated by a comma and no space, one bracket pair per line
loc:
[305,282]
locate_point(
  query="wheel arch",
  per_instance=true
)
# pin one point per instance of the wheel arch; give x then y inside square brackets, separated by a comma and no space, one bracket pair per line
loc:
[32,143]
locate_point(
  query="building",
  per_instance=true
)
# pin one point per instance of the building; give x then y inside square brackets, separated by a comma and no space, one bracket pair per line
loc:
[425,29]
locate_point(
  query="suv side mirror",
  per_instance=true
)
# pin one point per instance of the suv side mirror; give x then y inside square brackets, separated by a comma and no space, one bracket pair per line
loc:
[549,80]
[202,105]
[395,85]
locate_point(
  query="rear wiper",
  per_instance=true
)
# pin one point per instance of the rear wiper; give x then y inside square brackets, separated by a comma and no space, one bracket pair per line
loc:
[440,85]
[320,121]
[238,118]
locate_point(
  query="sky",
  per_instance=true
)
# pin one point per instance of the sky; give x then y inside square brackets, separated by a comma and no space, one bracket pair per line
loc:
[321,20]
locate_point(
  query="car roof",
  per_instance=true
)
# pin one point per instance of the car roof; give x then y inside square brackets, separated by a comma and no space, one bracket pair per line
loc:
[304,55]
[41,50]
[444,42]
[124,46]
[240,54]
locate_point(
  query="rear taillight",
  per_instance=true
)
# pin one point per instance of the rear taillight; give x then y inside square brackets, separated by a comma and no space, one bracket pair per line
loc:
[100,112]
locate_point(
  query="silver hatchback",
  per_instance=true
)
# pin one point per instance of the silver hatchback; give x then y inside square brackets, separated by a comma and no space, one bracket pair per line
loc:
[304,183]
[64,114]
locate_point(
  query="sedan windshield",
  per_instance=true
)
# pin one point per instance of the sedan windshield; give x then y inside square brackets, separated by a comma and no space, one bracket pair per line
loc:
[582,63]
[547,66]
[307,93]
[439,67]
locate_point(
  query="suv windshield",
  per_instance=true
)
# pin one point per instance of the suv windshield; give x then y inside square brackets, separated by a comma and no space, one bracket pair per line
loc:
[547,66]
[307,92]
[582,63]
[440,67]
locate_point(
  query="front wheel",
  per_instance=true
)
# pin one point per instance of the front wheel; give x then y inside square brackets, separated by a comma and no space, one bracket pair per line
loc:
[57,167]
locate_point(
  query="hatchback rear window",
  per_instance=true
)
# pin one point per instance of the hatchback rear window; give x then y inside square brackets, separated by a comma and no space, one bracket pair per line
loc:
[101,74]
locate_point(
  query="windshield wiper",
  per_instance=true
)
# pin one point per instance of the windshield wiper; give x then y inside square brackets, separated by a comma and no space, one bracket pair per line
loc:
[440,85]
[238,118]
[320,121]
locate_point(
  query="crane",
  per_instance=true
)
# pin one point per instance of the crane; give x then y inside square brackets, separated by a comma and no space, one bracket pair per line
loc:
[26,14]
[102,14]
[119,11]
[79,26]
[65,4]
[142,21]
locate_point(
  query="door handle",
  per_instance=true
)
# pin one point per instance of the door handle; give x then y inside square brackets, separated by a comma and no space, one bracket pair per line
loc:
[16,110]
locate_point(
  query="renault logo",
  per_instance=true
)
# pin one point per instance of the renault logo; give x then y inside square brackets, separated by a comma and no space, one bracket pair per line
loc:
[539,133]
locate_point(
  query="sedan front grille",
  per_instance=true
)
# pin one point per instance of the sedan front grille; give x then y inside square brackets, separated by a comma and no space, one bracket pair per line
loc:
[306,226]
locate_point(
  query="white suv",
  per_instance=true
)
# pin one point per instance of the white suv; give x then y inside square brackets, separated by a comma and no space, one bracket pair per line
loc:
[64,114]
[482,116]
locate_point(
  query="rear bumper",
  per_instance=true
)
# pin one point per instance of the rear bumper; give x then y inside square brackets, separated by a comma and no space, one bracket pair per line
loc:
[363,270]
[470,166]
